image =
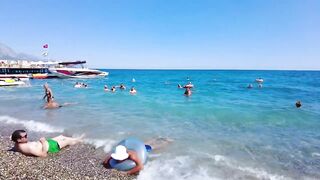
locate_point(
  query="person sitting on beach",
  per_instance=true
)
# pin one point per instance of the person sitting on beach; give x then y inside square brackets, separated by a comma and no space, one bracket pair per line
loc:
[122,87]
[133,90]
[47,92]
[52,105]
[42,147]
[188,92]
[113,89]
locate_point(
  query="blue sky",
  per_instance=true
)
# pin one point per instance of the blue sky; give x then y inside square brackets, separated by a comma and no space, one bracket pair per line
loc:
[229,34]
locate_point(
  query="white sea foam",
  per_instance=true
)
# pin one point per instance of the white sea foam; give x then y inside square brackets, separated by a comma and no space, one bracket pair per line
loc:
[174,169]
[31,124]
[256,172]
[315,154]
[107,144]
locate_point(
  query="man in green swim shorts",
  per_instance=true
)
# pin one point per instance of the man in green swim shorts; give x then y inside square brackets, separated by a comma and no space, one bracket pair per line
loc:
[42,147]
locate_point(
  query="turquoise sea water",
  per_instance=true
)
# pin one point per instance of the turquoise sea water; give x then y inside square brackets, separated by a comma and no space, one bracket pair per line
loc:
[223,131]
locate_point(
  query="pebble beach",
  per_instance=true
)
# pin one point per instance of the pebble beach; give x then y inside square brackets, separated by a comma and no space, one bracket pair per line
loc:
[80,161]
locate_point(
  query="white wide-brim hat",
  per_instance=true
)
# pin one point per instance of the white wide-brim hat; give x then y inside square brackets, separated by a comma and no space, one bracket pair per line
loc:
[120,153]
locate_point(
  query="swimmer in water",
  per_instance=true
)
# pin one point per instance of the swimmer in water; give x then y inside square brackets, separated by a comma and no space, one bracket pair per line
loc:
[298,104]
[122,87]
[188,92]
[133,90]
[113,89]
[106,88]
[189,85]
[250,86]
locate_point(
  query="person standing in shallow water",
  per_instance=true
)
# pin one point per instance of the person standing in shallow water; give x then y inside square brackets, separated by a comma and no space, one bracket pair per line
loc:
[188,92]
[47,92]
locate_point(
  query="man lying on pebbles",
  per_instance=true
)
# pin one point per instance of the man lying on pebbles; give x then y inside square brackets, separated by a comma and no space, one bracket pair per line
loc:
[42,147]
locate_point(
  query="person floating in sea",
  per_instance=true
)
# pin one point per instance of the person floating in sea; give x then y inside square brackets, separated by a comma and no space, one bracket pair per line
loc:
[133,90]
[80,85]
[113,89]
[130,154]
[122,86]
[42,147]
[188,92]
[298,104]
[105,88]
[48,95]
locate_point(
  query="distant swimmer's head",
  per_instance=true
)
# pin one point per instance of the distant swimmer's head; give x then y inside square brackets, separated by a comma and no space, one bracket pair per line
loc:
[120,153]
[133,90]
[298,104]
[19,136]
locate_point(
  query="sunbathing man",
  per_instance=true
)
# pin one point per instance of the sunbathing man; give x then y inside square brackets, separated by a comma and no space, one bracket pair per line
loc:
[42,147]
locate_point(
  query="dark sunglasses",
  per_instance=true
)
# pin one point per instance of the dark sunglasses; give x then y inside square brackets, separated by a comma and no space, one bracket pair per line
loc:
[25,136]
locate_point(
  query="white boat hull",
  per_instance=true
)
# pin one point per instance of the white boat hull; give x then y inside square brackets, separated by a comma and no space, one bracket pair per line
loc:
[77,73]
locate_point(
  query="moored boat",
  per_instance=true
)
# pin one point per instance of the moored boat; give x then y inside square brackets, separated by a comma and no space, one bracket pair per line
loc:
[11,82]
[69,70]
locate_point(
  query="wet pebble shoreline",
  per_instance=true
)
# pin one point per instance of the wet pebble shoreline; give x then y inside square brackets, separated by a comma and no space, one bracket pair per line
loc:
[80,161]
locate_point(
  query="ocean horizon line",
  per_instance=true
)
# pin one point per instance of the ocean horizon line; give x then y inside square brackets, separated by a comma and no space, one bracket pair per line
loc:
[200,69]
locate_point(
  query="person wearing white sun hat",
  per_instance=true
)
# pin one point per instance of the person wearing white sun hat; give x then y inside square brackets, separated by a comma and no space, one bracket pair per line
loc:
[122,155]
[131,154]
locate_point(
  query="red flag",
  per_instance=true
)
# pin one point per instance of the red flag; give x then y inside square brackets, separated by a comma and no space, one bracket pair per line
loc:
[45,46]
